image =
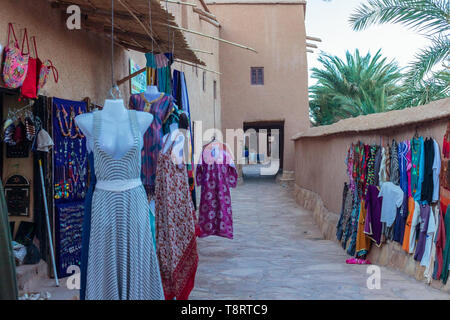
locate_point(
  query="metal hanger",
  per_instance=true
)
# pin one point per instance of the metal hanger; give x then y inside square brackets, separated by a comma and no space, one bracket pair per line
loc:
[114,92]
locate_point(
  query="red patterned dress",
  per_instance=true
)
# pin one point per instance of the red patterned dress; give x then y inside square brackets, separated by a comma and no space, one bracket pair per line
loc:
[176,237]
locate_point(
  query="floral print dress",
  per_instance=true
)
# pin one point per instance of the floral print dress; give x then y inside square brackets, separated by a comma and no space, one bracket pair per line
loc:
[216,174]
[176,232]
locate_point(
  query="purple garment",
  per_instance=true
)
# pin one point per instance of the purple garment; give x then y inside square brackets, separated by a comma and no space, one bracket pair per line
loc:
[424,218]
[373,226]
[216,178]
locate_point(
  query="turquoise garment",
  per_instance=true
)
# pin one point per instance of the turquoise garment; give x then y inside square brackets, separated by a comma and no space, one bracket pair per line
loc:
[8,282]
[163,74]
[152,221]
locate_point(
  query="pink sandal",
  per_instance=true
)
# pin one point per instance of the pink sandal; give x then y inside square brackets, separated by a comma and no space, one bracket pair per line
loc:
[357,261]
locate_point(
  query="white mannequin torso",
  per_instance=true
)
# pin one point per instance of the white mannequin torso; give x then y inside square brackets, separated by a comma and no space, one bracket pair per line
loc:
[178,146]
[152,93]
[116,136]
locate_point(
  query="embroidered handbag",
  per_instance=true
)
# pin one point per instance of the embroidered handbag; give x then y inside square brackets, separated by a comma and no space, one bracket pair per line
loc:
[44,74]
[15,64]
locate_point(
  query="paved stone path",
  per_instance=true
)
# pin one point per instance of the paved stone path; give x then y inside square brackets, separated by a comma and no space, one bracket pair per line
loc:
[278,253]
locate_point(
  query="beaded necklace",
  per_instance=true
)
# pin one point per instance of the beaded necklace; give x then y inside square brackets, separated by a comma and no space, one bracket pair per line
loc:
[69,125]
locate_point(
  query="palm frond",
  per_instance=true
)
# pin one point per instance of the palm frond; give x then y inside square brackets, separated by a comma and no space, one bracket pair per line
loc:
[427,58]
[360,84]
[422,15]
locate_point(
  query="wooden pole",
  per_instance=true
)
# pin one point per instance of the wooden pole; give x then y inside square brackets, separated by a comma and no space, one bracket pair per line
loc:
[211,37]
[134,74]
[180,2]
[122,81]
[211,21]
[204,13]
[313,39]
[194,65]
[202,51]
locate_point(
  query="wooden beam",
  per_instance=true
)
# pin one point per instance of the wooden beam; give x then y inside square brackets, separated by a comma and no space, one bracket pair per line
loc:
[205,6]
[194,65]
[311,45]
[204,13]
[313,39]
[180,2]
[213,22]
[211,37]
[131,76]
[309,51]
[202,51]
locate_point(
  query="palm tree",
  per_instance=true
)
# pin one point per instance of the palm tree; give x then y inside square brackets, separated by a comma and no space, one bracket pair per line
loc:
[429,16]
[358,86]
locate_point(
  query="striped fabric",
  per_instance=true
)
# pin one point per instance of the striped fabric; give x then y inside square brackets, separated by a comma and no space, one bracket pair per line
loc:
[122,261]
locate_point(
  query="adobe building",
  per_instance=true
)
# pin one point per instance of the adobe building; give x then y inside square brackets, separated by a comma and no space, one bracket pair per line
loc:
[267,89]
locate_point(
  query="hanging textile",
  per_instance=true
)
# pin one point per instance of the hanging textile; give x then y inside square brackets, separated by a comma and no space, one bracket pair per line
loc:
[8,287]
[70,154]
[216,174]
[446,253]
[160,109]
[70,175]
[441,242]
[373,226]
[427,185]
[180,94]
[362,240]
[402,215]
[346,213]
[176,228]
[159,72]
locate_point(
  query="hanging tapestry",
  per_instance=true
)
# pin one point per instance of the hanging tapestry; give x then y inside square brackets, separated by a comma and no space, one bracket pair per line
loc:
[68,227]
[70,156]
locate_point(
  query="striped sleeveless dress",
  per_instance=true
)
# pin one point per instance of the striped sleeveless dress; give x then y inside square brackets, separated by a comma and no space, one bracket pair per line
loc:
[122,262]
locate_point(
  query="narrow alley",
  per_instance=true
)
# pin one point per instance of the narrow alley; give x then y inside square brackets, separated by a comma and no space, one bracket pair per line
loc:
[278,253]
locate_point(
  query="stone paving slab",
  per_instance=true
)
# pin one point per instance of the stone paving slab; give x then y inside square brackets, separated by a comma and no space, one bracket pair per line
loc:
[278,253]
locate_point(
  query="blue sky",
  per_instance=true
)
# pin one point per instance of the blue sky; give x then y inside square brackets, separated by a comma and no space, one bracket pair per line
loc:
[329,21]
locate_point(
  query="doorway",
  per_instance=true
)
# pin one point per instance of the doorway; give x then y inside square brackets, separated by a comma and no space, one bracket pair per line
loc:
[262,153]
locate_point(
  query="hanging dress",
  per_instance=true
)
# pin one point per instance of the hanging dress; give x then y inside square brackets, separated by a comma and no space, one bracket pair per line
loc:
[176,238]
[122,263]
[160,108]
[216,174]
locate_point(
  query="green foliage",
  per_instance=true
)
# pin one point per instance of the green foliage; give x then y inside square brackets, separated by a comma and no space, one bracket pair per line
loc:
[431,17]
[357,86]
[423,15]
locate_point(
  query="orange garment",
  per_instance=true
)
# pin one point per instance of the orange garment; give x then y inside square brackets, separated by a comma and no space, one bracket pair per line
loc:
[444,204]
[407,234]
[362,240]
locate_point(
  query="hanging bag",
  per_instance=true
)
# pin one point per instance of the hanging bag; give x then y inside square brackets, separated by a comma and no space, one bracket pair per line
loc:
[29,86]
[15,65]
[44,74]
